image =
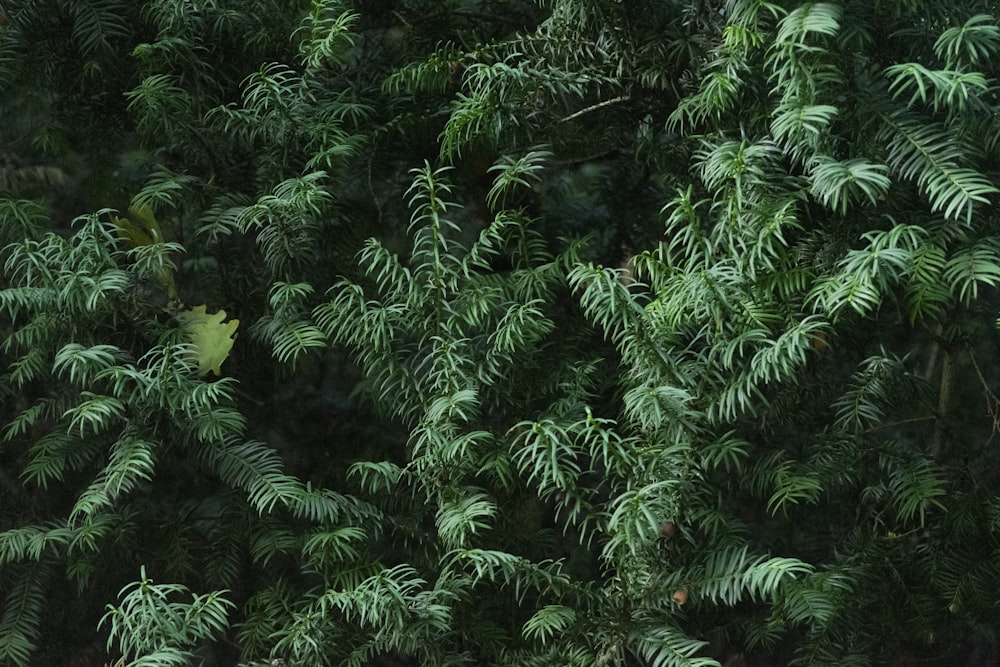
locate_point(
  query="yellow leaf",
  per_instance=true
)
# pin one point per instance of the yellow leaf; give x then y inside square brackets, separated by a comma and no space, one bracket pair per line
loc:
[212,339]
[144,214]
[135,235]
[141,229]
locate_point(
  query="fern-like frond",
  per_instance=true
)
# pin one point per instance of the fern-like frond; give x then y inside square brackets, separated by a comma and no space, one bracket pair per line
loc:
[98,24]
[33,542]
[976,40]
[944,88]
[822,18]
[511,173]
[326,34]
[669,646]
[23,609]
[730,575]
[972,267]
[932,157]
[868,394]
[131,462]
[256,469]
[149,625]
[466,514]
[840,183]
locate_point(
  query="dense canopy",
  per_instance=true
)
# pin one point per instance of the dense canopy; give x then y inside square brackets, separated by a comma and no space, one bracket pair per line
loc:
[499,332]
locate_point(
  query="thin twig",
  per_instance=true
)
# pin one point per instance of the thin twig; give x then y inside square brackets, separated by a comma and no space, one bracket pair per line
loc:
[595,107]
[944,402]
[982,379]
[371,188]
[994,409]
[494,18]
[402,19]
[585,158]
[900,423]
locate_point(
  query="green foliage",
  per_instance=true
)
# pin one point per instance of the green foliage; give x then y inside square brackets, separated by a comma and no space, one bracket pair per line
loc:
[584,333]
[22,614]
[151,629]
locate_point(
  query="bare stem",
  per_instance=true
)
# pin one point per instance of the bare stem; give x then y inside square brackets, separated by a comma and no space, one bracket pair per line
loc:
[595,107]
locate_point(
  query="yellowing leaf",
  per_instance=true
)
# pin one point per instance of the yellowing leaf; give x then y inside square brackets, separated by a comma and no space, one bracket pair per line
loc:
[141,229]
[134,234]
[212,339]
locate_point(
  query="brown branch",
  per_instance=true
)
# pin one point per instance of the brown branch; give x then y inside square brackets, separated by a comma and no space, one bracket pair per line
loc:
[371,188]
[944,400]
